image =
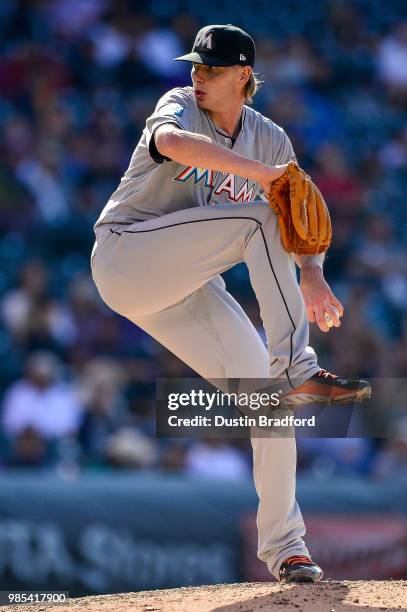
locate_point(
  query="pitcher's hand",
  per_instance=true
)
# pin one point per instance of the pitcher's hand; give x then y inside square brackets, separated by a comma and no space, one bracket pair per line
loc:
[319,298]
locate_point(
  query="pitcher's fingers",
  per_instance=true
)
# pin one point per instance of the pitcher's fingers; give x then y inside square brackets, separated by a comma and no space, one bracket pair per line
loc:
[310,313]
[338,305]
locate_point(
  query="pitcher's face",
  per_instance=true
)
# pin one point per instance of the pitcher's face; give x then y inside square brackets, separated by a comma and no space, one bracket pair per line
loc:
[215,87]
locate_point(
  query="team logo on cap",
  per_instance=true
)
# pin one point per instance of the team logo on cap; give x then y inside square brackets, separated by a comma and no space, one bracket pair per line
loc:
[205,40]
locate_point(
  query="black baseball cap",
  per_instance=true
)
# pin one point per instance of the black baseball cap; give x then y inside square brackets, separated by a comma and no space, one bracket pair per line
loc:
[222,45]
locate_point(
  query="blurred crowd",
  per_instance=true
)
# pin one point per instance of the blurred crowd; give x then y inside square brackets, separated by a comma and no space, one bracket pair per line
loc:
[77,80]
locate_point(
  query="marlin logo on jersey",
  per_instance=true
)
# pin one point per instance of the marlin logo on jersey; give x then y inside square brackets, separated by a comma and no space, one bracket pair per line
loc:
[227,184]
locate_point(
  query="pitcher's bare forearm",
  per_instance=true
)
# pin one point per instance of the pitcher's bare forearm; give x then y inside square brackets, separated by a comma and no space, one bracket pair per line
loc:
[198,150]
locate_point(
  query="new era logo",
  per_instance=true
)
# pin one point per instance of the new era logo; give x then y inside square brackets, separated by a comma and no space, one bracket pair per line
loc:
[242,57]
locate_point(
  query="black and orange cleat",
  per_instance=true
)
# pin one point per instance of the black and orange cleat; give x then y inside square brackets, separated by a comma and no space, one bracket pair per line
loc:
[326,388]
[300,568]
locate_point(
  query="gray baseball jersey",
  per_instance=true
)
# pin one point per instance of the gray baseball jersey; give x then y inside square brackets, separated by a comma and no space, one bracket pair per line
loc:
[152,186]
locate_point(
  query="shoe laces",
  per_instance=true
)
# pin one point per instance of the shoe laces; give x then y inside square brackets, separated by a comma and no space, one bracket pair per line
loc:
[299,559]
[325,374]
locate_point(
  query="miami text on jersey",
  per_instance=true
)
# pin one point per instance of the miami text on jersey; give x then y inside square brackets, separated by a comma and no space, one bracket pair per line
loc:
[227,184]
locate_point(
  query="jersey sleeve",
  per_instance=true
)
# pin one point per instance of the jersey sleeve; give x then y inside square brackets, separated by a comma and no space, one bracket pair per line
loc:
[280,150]
[284,150]
[172,108]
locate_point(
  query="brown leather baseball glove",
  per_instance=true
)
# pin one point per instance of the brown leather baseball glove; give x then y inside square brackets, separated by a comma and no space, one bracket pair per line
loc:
[303,216]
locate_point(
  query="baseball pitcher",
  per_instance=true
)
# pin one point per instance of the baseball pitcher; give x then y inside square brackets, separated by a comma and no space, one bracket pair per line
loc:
[213,183]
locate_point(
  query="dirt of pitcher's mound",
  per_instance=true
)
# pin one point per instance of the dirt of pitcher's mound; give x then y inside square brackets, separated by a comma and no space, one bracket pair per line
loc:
[326,596]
